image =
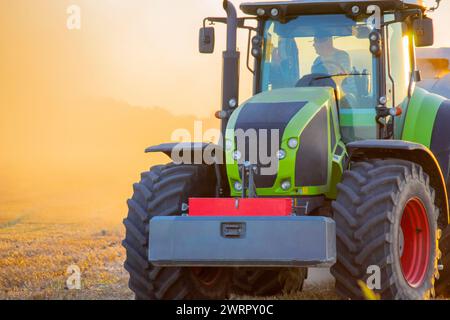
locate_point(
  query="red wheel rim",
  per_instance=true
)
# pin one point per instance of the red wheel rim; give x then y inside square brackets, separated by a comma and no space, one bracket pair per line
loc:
[416,239]
[206,276]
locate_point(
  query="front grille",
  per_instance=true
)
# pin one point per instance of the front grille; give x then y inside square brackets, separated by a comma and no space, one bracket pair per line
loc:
[254,125]
[265,160]
[311,168]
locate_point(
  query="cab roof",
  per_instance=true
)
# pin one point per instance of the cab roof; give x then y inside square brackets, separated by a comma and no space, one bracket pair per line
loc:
[297,7]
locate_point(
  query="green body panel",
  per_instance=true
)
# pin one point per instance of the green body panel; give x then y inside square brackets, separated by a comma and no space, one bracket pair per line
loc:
[416,125]
[316,99]
[358,117]
[420,117]
[357,124]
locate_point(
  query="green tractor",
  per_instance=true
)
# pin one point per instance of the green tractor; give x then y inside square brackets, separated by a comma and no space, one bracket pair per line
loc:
[338,160]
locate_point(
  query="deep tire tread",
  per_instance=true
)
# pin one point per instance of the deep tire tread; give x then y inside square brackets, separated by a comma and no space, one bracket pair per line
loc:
[364,215]
[161,192]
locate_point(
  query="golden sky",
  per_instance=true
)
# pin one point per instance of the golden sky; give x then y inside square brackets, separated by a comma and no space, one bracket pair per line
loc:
[68,99]
[138,51]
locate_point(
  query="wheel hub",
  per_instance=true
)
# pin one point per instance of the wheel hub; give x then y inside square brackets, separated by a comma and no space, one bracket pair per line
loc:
[414,242]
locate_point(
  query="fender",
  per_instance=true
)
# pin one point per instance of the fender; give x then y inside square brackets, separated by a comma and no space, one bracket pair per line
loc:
[167,148]
[197,153]
[407,151]
[189,152]
[426,122]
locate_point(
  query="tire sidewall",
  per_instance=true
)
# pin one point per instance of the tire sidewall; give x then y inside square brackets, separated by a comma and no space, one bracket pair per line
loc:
[162,192]
[414,189]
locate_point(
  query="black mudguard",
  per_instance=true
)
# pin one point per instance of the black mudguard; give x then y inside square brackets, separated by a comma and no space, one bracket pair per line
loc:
[440,139]
[194,153]
[188,150]
[167,148]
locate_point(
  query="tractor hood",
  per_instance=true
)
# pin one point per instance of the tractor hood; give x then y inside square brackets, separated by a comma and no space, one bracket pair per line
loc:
[287,134]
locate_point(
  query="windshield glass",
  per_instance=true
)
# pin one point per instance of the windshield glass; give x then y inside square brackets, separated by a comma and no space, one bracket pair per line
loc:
[324,50]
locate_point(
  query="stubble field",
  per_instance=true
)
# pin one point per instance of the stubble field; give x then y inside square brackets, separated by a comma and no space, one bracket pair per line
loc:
[38,245]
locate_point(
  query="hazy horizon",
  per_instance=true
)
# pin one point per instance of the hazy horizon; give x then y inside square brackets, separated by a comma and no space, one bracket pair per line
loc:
[68,116]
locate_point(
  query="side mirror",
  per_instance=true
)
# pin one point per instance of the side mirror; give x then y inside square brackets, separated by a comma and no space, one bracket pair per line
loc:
[206,40]
[423,32]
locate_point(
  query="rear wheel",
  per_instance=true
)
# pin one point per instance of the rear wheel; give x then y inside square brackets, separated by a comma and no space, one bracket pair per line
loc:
[162,192]
[264,282]
[443,284]
[386,223]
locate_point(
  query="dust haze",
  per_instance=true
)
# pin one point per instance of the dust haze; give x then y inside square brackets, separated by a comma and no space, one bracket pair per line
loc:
[71,148]
[77,108]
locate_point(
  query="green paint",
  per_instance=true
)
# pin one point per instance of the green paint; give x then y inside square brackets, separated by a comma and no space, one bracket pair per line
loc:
[420,117]
[231,166]
[358,117]
[316,99]
[415,125]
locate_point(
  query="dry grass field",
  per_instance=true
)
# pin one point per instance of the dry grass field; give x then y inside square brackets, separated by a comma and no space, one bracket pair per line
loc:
[34,257]
[41,236]
[37,246]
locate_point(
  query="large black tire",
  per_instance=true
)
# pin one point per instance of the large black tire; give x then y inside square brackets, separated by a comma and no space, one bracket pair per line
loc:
[373,211]
[443,284]
[162,192]
[265,282]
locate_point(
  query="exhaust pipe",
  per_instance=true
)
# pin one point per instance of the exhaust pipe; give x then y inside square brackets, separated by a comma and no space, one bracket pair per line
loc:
[231,57]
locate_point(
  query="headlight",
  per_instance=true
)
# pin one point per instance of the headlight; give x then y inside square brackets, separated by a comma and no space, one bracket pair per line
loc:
[293,143]
[286,185]
[281,154]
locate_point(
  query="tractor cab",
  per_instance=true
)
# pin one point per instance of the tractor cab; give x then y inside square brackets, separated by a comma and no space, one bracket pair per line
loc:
[364,50]
[325,50]
[326,74]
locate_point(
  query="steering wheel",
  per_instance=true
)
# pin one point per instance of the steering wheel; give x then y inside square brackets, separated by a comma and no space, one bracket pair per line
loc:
[316,80]
[323,79]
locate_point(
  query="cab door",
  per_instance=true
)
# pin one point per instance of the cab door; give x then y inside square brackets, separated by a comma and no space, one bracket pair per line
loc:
[399,66]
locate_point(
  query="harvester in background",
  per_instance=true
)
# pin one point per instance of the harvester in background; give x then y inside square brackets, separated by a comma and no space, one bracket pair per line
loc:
[434,64]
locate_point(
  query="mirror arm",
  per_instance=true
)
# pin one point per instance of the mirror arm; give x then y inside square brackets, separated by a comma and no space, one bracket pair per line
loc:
[213,20]
[401,16]
[438,3]
[248,51]
[241,22]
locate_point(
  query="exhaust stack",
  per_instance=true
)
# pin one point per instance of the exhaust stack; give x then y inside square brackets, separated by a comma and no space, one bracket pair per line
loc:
[231,57]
